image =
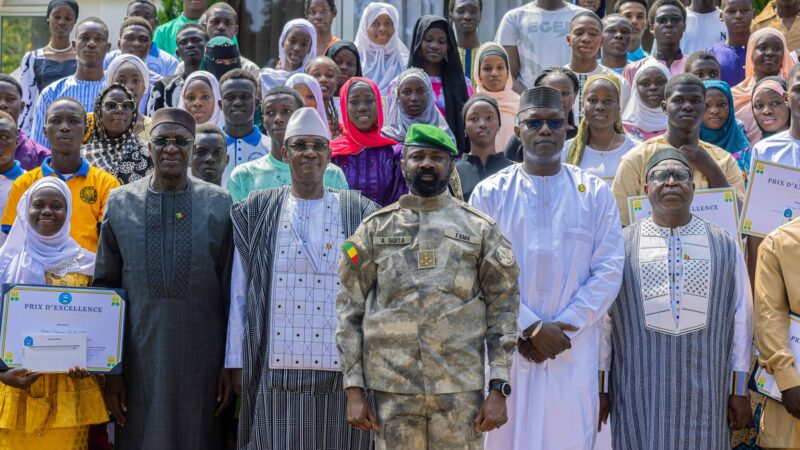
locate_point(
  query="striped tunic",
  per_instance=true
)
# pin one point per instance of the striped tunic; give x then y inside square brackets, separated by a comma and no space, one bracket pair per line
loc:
[670,391]
[285,409]
[83,91]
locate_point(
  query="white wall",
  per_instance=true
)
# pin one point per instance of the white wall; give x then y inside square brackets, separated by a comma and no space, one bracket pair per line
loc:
[112,12]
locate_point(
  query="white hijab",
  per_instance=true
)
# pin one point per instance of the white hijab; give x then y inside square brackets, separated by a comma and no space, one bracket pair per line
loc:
[313,84]
[381,63]
[271,78]
[117,63]
[144,72]
[639,115]
[217,118]
[398,122]
[26,255]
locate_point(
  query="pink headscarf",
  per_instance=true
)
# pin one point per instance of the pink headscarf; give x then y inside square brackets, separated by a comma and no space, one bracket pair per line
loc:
[743,92]
[507,100]
[355,140]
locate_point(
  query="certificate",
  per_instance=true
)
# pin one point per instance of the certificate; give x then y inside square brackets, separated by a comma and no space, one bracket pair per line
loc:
[773,198]
[764,383]
[38,323]
[717,206]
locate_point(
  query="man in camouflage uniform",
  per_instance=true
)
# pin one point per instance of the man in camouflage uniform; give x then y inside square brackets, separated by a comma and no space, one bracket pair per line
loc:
[424,283]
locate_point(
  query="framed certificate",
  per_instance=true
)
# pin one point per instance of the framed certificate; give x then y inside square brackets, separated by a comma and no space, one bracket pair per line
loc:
[717,206]
[39,324]
[772,199]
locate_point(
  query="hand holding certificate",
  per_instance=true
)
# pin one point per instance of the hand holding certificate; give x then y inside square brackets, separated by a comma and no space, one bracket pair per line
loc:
[773,198]
[54,328]
[763,382]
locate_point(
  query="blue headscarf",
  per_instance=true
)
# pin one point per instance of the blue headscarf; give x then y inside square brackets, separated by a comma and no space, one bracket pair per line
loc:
[730,137]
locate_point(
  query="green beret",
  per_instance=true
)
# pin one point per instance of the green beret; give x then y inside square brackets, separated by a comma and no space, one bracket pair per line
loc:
[430,136]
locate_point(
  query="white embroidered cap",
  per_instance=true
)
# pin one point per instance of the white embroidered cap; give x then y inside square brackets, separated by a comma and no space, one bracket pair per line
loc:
[306,122]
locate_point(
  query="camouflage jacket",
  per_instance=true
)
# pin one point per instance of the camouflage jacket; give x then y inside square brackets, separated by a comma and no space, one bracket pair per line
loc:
[424,283]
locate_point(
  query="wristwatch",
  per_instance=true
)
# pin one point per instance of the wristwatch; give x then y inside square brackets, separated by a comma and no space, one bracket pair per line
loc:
[501,386]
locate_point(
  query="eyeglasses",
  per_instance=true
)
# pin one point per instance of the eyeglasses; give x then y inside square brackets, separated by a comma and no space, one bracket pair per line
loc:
[314,146]
[180,142]
[112,106]
[675,20]
[537,124]
[679,175]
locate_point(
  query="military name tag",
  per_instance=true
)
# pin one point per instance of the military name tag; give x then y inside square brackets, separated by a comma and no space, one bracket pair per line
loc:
[391,240]
[462,236]
[426,259]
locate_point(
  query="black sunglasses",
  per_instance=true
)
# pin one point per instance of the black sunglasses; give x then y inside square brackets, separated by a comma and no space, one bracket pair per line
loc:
[537,124]
[111,106]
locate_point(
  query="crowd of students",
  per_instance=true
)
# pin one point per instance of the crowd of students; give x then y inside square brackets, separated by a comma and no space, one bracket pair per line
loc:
[720,84]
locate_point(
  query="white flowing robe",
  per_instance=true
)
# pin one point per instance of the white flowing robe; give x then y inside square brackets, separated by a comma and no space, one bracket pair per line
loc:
[567,238]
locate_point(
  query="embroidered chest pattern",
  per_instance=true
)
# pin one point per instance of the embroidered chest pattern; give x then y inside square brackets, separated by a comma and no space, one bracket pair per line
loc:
[305,285]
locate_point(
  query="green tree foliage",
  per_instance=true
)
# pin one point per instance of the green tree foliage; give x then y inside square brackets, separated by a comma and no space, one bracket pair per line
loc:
[169,10]
[21,34]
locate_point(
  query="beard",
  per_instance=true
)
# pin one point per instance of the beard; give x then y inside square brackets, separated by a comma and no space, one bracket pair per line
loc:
[425,188]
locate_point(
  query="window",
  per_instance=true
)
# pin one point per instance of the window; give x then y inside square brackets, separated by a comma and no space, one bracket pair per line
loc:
[260,25]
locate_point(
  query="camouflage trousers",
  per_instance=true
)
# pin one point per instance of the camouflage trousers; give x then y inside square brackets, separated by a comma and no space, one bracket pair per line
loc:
[428,421]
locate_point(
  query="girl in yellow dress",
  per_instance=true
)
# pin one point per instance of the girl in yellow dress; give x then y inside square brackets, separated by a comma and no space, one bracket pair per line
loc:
[53,410]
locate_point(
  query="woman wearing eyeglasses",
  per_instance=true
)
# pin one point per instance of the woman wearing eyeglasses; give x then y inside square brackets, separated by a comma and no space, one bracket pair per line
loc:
[132,72]
[113,146]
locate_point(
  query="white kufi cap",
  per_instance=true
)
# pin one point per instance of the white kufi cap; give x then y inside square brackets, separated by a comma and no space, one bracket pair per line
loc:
[306,122]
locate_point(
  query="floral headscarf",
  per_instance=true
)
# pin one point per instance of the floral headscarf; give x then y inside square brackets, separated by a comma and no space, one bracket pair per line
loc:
[126,156]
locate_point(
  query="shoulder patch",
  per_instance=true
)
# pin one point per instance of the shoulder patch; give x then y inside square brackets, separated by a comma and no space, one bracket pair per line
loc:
[384,210]
[351,253]
[505,256]
[477,212]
